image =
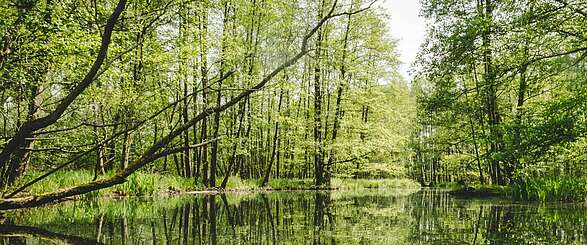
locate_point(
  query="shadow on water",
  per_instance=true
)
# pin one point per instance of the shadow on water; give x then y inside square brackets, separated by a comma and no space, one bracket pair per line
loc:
[368,217]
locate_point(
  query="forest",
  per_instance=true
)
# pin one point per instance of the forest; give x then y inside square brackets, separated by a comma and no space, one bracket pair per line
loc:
[272,121]
[103,98]
[199,90]
[502,97]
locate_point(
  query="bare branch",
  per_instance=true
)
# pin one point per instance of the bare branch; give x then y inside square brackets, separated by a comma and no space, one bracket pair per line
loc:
[147,156]
[36,124]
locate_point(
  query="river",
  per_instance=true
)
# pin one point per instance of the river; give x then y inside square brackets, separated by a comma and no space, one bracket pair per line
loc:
[428,216]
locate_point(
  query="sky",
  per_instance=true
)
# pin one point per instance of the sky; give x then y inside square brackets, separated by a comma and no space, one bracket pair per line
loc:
[408,28]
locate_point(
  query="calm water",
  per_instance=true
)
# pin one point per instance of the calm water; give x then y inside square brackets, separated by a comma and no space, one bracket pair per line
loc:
[368,217]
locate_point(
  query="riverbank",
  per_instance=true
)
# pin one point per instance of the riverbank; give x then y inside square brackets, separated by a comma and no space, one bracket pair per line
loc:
[480,191]
[154,184]
[561,189]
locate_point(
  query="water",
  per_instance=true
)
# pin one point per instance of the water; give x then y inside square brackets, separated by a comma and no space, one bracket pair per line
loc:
[368,217]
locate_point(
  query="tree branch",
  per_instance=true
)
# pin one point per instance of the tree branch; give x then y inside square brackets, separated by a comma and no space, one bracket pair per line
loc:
[147,156]
[36,124]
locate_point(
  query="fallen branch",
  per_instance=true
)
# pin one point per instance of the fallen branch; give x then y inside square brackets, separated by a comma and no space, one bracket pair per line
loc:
[49,235]
[147,156]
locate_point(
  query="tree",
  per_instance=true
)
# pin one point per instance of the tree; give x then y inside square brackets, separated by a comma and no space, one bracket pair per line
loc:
[165,145]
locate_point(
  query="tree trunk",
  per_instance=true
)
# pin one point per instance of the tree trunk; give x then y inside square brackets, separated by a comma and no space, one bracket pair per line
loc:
[235,145]
[338,109]
[318,148]
[154,151]
[204,73]
[491,98]
[275,145]
[19,140]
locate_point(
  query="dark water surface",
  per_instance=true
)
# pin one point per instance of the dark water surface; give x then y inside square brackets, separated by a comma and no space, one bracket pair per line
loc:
[341,217]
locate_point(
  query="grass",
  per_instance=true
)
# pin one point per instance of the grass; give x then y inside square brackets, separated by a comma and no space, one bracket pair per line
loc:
[235,183]
[138,184]
[550,189]
[480,191]
[374,184]
[292,184]
[152,184]
[149,184]
[544,189]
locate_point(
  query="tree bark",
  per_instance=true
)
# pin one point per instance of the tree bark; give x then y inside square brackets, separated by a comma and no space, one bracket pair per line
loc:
[19,140]
[318,148]
[275,137]
[151,153]
[204,73]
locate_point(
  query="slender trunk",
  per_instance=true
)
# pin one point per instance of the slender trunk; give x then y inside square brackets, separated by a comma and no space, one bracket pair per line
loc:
[234,146]
[338,108]
[186,139]
[127,140]
[99,168]
[275,144]
[318,149]
[511,168]
[518,123]
[19,140]
[474,138]
[216,126]
[204,73]
[491,97]
[187,160]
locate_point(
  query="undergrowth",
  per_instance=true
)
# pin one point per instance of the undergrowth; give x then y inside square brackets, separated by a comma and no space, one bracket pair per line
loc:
[151,184]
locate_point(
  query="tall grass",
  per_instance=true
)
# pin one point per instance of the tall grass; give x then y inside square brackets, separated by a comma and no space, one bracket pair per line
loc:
[374,184]
[151,184]
[550,189]
[138,184]
[56,181]
[236,183]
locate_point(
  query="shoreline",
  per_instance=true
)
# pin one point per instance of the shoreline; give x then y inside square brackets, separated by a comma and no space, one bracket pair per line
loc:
[143,184]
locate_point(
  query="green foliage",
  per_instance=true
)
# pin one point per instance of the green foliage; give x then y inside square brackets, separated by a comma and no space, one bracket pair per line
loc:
[336,183]
[150,184]
[480,190]
[357,184]
[378,171]
[235,183]
[56,181]
[498,97]
[292,184]
[138,184]
[143,184]
[163,68]
[550,189]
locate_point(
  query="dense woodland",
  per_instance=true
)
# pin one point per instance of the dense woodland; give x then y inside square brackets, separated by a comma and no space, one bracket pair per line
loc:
[502,93]
[201,89]
[267,89]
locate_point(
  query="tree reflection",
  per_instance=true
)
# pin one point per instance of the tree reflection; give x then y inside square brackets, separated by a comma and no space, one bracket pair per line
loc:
[427,217]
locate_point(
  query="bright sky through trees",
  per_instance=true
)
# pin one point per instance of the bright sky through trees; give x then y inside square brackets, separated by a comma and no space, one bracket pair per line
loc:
[408,28]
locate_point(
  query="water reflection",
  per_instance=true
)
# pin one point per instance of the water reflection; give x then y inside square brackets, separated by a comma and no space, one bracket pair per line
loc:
[371,217]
